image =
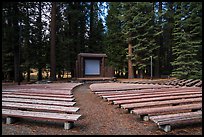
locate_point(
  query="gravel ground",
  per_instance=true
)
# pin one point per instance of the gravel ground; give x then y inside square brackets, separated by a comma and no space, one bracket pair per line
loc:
[98,118]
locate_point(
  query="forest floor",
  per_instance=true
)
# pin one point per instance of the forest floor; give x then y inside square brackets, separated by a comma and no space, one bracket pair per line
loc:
[98,118]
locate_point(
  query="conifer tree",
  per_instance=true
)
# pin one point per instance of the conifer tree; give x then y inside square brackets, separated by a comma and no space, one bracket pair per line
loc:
[187,40]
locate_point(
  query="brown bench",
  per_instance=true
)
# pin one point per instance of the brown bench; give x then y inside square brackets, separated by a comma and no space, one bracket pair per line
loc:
[152,95]
[136,87]
[68,119]
[38,94]
[145,112]
[192,83]
[39,107]
[199,84]
[159,103]
[119,102]
[185,82]
[37,97]
[166,121]
[169,82]
[39,101]
[148,93]
[41,91]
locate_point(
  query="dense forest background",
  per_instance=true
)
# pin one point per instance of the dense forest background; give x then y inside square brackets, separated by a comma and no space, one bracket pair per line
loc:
[48,36]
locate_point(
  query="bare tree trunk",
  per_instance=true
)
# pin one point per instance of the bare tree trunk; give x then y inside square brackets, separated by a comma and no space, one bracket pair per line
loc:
[16,41]
[130,68]
[53,45]
[40,42]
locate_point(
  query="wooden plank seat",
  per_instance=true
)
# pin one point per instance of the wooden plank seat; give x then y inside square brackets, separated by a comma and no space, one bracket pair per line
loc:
[68,119]
[40,107]
[177,82]
[38,94]
[38,97]
[173,82]
[123,94]
[148,91]
[199,84]
[136,87]
[152,95]
[54,92]
[192,83]
[170,82]
[119,102]
[185,82]
[159,103]
[166,121]
[145,112]
[39,101]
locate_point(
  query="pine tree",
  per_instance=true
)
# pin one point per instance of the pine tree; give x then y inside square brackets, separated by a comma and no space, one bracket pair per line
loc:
[187,38]
[138,26]
[115,44]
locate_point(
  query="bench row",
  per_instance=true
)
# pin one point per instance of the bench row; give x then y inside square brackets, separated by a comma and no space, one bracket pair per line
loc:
[155,102]
[40,105]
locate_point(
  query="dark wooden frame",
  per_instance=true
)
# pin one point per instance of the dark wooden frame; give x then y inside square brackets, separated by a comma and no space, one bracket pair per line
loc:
[105,71]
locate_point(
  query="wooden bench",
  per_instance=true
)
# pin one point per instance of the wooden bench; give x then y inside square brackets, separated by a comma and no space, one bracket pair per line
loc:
[166,121]
[185,82]
[199,84]
[145,112]
[41,91]
[170,82]
[148,93]
[68,119]
[159,103]
[38,94]
[177,82]
[37,97]
[119,102]
[192,83]
[39,107]
[39,101]
[134,87]
[152,95]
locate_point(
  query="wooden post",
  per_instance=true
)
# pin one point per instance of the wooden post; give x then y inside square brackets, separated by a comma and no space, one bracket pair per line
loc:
[103,67]
[130,69]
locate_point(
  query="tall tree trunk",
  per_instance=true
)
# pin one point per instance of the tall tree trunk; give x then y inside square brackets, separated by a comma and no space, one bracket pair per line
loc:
[27,38]
[16,42]
[40,43]
[53,44]
[169,53]
[130,68]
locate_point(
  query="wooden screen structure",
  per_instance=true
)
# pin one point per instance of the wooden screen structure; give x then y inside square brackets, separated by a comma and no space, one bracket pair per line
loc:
[92,65]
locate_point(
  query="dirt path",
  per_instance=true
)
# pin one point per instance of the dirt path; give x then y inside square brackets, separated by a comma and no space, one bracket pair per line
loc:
[98,118]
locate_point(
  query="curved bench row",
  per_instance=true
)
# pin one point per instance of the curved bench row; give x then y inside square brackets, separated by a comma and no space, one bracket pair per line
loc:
[53,102]
[150,102]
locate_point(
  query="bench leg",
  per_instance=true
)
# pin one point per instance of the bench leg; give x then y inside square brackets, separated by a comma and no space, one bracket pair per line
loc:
[68,125]
[144,117]
[166,128]
[10,120]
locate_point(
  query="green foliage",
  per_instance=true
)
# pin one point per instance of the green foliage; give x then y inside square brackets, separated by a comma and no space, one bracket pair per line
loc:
[187,40]
[115,44]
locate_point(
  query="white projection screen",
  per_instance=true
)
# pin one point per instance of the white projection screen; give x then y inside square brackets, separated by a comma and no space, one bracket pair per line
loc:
[92,67]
